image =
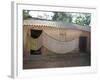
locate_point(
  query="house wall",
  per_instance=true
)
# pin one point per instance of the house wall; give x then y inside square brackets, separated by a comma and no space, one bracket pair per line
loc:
[63,34]
[56,33]
[25,43]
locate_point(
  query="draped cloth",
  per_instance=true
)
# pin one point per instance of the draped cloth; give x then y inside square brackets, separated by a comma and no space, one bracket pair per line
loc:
[57,46]
[52,44]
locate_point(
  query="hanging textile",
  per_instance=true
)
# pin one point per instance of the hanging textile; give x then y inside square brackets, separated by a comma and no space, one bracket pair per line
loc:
[59,47]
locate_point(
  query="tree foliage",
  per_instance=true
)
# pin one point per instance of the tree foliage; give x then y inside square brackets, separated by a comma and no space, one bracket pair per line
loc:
[61,16]
[26,14]
[83,20]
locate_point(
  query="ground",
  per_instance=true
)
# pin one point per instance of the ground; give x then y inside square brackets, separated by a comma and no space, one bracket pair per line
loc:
[57,60]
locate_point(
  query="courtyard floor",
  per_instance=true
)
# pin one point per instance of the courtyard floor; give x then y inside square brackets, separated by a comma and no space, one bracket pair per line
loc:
[57,61]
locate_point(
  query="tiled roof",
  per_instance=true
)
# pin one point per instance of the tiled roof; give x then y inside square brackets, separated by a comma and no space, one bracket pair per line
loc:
[56,24]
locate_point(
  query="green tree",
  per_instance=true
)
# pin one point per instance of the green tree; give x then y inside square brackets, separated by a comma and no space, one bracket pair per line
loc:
[87,19]
[83,19]
[26,14]
[61,16]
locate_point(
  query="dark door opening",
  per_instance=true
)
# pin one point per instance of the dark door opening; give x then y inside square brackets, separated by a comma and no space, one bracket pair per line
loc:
[35,52]
[35,34]
[83,44]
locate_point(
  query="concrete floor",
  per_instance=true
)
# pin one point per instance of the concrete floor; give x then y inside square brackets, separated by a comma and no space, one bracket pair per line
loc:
[57,60]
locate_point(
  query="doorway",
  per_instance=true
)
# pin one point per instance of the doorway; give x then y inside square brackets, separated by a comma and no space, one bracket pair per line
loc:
[35,35]
[83,44]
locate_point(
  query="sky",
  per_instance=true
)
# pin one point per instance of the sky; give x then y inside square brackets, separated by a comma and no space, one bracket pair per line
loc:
[41,14]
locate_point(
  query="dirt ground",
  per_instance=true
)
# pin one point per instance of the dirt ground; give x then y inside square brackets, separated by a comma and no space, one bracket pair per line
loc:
[57,60]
